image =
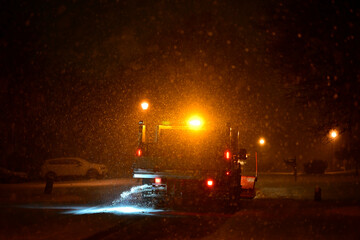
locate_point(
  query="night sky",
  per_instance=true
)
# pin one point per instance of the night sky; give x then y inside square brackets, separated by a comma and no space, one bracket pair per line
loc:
[73,74]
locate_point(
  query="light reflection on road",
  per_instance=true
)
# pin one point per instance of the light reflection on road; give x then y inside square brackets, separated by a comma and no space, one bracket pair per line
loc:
[114,210]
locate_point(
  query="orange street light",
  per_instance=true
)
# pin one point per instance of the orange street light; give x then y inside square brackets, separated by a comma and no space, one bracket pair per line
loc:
[261,141]
[333,134]
[144,105]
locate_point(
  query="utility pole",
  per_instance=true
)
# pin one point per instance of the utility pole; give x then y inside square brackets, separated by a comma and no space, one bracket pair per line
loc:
[292,163]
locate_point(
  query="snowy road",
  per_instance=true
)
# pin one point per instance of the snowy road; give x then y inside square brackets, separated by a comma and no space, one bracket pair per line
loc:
[96,210]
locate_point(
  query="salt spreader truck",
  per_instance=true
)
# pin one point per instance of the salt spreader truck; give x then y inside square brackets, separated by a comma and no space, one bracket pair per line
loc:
[192,163]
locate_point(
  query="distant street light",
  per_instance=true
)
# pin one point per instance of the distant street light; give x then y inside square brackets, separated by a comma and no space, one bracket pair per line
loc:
[333,134]
[144,105]
[261,141]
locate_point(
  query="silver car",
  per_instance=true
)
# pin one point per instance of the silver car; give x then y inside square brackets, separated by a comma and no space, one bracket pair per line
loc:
[63,167]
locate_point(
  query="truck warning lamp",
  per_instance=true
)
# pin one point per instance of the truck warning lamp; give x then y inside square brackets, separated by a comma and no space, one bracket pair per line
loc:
[195,123]
[158,180]
[139,152]
[227,155]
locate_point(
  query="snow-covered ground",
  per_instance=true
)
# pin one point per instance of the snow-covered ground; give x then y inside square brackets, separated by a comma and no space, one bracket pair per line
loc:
[269,185]
[74,183]
[333,186]
[68,192]
[101,208]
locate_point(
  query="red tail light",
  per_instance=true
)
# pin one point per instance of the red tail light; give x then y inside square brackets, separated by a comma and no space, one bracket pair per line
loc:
[210,183]
[227,155]
[157,180]
[228,173]
[139,152]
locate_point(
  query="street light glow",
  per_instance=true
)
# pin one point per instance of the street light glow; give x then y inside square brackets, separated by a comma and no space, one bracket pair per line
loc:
[333,134]
[144,105]
[262,141]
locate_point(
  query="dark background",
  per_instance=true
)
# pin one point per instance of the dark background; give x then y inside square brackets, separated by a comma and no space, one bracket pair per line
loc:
[73,74]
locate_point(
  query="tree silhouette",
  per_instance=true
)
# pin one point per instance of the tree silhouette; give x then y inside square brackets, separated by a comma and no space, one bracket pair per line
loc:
[313,45]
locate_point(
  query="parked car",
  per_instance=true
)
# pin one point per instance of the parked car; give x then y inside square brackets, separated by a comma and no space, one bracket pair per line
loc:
[75,167]
[8,176]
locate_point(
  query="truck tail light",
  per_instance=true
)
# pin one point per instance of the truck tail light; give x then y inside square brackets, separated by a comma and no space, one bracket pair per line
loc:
[210,183]
[227,155]
[157,180]
[139,152]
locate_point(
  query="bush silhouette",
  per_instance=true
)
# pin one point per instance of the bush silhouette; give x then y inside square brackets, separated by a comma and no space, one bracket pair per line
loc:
[315,166]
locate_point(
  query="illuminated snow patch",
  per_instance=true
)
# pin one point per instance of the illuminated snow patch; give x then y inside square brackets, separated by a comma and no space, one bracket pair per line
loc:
[129,202]
[134,190]
[133,196]
[115,210]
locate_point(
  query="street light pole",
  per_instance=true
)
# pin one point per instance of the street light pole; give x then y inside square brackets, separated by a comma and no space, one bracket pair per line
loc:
[333,136]
[261,142]
[256,165]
